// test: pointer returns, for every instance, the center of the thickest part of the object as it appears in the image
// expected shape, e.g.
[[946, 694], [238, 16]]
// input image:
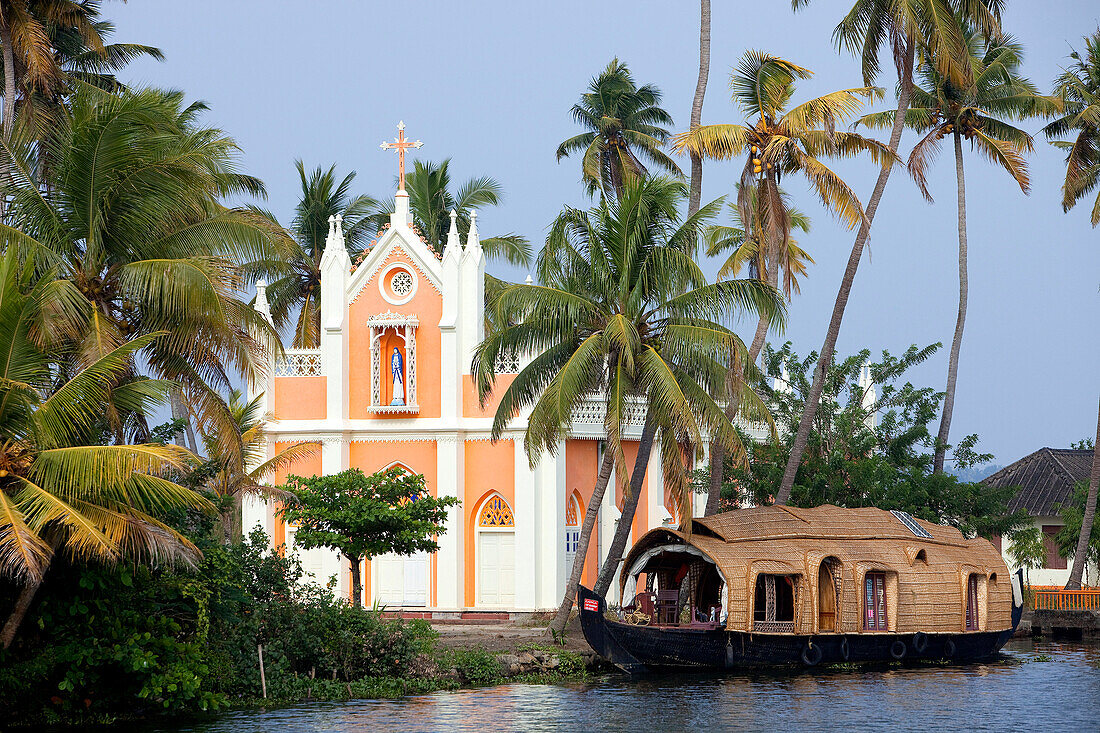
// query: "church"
[[390, 385]]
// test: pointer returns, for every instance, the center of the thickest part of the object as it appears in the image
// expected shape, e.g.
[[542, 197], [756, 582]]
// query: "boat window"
[[773, 606], [972, 621], [874, 602]]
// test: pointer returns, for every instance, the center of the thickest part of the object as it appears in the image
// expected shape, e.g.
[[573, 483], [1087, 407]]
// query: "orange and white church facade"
[[391, 385]]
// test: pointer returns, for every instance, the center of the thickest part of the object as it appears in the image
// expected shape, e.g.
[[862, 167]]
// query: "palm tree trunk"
[[809, 411], [607, 465], [956, 342], [630, 506], [695, 191], [1081, 555], [9, 78], [18, 613], [717, 451]]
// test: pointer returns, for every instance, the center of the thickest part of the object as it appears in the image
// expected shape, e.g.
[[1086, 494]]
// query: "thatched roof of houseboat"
[[932, 561], [1045, 478]]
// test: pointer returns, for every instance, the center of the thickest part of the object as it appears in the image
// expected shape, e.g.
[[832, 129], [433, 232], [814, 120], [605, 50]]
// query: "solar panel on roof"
[[907, 519]]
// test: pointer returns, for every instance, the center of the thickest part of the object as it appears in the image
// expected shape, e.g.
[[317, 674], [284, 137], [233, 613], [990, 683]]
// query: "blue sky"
[[489, 84]]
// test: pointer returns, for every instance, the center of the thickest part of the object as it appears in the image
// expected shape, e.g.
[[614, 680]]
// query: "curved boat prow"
[[599, 635], [1017, 598]]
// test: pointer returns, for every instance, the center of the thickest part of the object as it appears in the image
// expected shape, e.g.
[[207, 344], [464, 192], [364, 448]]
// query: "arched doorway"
[[573, 515], [827, 594], [496, 554], [400, 580]]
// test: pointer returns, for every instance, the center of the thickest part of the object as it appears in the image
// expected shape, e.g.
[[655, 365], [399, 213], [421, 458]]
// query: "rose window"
[[401, 284]]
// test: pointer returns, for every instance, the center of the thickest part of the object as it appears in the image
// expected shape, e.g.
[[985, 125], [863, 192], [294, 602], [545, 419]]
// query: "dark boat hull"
[[644, 648]]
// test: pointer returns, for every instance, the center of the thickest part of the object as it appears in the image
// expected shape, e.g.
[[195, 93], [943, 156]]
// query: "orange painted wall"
[[582, 464], [489, 468], [427, 305], [416, 455], [299, 398], [641, 517], [470, 407], [309, 465]]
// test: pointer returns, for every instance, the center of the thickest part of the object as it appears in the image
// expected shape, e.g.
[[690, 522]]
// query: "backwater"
[[1035, 685]]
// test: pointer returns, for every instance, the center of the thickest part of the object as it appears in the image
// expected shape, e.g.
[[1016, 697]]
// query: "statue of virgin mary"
[[397, 369]]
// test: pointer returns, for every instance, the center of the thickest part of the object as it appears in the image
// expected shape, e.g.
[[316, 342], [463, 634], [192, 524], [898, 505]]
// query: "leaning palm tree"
[[130, 212], [623, 314], [746, 251], [60, 492], [238, 466], [980, 109], [778, 141], [623, 121], [1079, 89], [904, 27], [294, 291], [432, 198]]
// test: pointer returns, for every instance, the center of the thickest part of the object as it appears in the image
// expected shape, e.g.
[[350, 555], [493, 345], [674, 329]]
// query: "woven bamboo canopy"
[[927, 578]]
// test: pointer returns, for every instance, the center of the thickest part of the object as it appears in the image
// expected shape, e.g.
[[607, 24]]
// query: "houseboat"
[[778, 585]]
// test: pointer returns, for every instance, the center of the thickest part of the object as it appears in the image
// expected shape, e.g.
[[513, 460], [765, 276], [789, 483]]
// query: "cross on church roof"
[[400, 144]]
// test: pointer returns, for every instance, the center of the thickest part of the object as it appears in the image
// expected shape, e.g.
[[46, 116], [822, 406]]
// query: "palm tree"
[[1079, 89], [130, 212], [295, 289], [977, 109], [778, 141], [59, 491], [29, 56], [238, 467], [79, 58], [623, 313], [623, 121], [431, 201], [745, 250], [696, 191], [904, 26]]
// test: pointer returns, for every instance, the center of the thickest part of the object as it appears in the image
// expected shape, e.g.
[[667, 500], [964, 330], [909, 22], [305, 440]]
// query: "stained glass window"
[[571, 512], [496, 513]]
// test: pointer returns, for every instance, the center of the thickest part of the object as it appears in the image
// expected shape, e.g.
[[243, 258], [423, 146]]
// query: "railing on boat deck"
[[1067, 600]]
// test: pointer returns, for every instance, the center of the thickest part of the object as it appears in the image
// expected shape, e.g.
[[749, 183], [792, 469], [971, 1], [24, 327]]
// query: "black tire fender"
[[811, 655], [920, 642], [845, 649], [949, 648], [897, 649]]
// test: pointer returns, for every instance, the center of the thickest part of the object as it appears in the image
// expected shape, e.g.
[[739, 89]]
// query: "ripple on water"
[[1058, 684]]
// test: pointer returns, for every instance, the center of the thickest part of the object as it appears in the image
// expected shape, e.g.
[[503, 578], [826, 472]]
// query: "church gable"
[[398, 254]]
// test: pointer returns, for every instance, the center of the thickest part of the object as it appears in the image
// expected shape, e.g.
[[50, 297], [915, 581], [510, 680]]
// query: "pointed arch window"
[[572, 529], [496, 513]]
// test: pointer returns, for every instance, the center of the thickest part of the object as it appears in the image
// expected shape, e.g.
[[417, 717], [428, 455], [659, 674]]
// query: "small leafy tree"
[[363, 516], [865, 452], [1069, 536], [1027, 549]]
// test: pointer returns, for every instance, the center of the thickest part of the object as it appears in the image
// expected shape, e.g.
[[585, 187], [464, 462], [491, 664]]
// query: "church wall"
[[470, 407], [304, 466], [641, 521], [299, 398], [416, 455], [489, 468], [582, 464], [427, 306]]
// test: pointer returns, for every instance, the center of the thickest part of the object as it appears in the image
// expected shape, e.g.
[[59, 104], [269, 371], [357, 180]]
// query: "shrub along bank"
[[103, 645]]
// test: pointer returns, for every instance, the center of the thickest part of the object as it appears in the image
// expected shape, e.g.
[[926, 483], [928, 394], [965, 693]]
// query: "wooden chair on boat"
[[640, 610], [666, 606]]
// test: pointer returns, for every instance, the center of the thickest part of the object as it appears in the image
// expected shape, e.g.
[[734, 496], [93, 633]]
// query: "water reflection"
[[1056, 685]]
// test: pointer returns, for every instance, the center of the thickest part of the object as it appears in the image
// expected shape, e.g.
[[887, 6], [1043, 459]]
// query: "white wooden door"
[[400, 580], [496, 569]]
